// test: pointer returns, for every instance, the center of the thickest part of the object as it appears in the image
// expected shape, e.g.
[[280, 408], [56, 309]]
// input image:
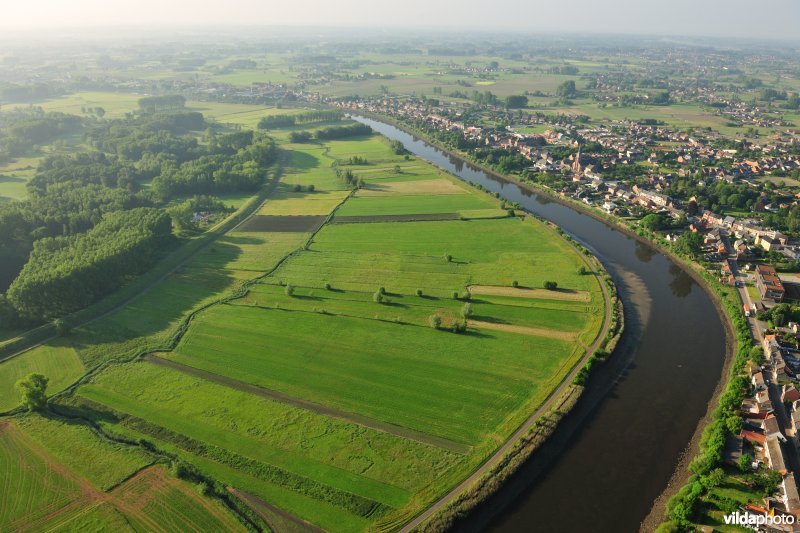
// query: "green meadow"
[[301, 367]]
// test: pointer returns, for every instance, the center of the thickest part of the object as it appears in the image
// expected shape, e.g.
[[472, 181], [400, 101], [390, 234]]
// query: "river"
[[615, 452]]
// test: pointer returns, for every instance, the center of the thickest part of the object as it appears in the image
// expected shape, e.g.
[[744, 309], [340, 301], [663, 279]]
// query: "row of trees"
[[307, 117], [160, 104], [64, 274]]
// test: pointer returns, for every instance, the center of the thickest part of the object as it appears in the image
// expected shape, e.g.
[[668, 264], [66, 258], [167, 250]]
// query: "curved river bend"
[[615, 452]]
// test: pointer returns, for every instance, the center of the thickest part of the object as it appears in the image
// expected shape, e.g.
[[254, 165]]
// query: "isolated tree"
[[582, 270], [515, 284], [378, 297], [33, 391], [435, 321], [419, 292], [550, 285], [289, 290], [311, 188], [516, 101], [62, 326], [466, 310], [566, 89]]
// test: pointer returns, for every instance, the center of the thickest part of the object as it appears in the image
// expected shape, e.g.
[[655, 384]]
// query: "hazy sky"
[[746, 18]]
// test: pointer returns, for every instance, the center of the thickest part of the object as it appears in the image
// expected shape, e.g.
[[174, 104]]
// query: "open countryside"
[[342, 357]]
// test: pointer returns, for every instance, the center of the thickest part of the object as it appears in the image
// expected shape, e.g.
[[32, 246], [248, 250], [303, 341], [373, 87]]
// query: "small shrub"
[[327, 286], [459, 326], [203, 488], [62, 326], [419, 292], [515, 284], [435, 321], [382, 290], [378, 297], [582, 270], [311, 188], [448, 258], [466, 310], [297, 187], [455, 295], [289, 290]]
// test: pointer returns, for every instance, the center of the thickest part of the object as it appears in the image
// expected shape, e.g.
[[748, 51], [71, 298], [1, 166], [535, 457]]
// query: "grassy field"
[[343, 412], [59, 363]]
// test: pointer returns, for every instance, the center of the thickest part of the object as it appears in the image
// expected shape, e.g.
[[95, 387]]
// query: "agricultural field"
[[61, 482], [305, 374], [59, 363]]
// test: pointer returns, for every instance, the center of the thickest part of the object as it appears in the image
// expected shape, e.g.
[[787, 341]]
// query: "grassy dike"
[[680, 501]]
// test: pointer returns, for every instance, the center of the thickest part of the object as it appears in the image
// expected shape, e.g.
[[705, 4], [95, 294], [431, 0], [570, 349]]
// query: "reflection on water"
[[614, 454], [681, 283], [644, 253]]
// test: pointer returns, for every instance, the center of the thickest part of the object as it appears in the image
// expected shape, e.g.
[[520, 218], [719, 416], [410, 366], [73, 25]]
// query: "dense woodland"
[[74, 201]]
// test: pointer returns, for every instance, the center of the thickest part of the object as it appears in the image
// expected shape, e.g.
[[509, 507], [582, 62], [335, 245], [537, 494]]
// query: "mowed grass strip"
[[411, 204], [386, 466], [29, 487], [409, 308], [482, 249], [439, 186], [316, 203], [524, 292], [418, 378], [59, 363]]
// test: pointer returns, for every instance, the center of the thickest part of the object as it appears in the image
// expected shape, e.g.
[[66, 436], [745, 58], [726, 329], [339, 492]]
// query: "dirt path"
[[378, 425], [524, 330], [526, 426], [258, 505], [543, 294]]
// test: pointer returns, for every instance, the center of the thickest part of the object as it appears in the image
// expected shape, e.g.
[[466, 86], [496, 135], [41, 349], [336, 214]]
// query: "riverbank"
[[680, 473]]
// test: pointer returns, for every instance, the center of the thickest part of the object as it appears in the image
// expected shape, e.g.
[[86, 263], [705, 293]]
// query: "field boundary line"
[[384, 427], [555, 396]]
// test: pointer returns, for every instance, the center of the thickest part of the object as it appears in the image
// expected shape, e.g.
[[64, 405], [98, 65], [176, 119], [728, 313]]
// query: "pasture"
[[337, 407], [58, 362]]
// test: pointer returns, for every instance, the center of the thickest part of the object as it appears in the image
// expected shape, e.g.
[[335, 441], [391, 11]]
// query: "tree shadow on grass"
[[159, 305], [492, 319]]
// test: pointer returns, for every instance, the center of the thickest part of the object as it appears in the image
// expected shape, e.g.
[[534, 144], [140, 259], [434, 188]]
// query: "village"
[[738, 248]]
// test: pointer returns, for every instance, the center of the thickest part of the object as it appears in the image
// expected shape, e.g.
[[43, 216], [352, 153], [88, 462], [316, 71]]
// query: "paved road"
[[525, 427]]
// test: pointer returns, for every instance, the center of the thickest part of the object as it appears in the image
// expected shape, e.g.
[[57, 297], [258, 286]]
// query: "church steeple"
[[576, 165]]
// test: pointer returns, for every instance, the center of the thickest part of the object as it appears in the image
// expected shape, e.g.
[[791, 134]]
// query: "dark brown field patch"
[[422, 217], [286, 224]]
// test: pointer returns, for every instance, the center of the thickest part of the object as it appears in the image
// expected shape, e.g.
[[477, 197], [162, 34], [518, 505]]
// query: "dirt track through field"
[[259, 506], [523, 330], [543, 294], [378, 425]]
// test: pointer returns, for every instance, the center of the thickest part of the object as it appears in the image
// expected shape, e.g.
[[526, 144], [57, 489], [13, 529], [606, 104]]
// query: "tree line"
[[64, 274], [70, 195], [271, 122]]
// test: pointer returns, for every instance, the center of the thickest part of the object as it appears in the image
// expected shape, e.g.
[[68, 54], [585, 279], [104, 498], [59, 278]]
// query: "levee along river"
[[616, 451]]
